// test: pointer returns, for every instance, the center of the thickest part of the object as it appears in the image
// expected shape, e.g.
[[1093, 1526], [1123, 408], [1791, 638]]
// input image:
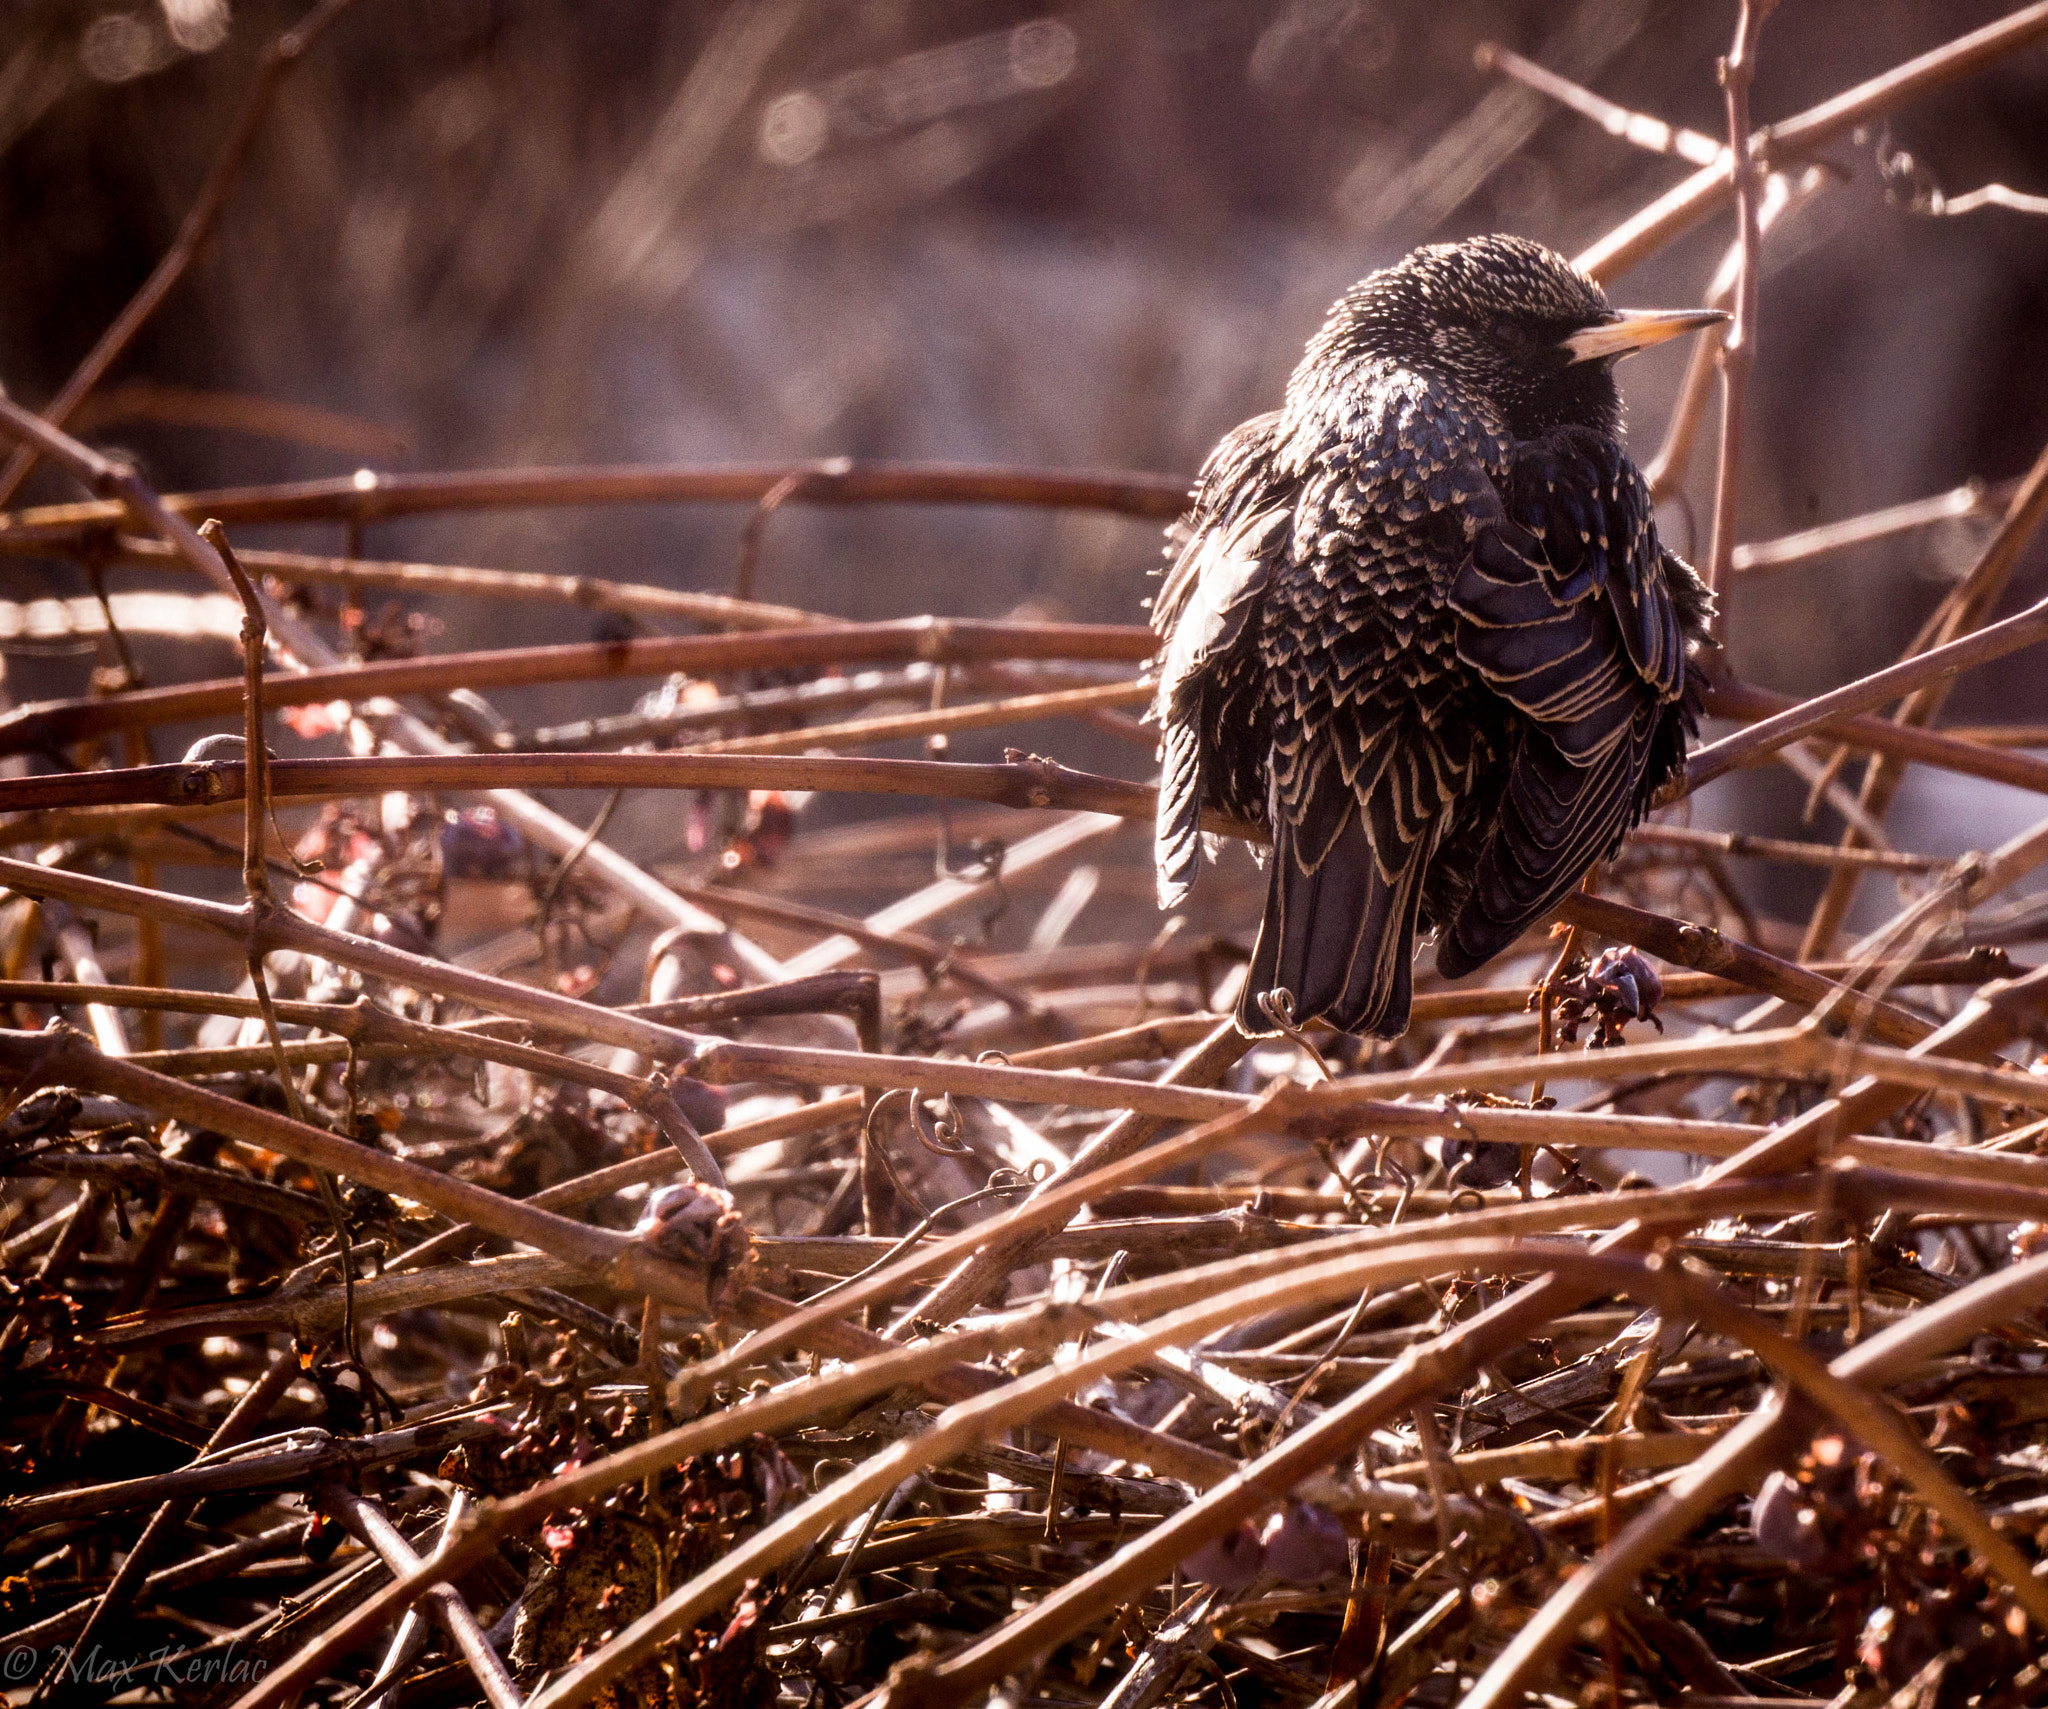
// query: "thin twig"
[[1738, 341], [1639, 129], [278, 60], [367, 497], [1994, 641], [1712, 187]]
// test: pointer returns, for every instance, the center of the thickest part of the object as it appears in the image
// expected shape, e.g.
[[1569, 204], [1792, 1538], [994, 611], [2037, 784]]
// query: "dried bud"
[[1232, 1561], [478, 844], [1620, 985], [700, 1226], [1306, 1545], [321, 1537], [1482, 1163], [1785, 1524]]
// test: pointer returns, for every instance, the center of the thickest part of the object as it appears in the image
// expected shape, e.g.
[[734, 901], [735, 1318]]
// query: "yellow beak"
[[1630, 330]]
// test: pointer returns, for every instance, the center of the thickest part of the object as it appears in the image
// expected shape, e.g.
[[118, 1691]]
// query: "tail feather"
[[1339, 937]]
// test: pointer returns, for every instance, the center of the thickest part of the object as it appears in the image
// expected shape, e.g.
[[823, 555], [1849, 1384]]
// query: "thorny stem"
[[719, 611], [931, 640], [1733, 1464], [67, 1058], [836, 481], [1520, 1314], [773, 1411], [401, 729], [1666, 471], [1640, 129], [1038, 783], [255, 741], [1688, 945]]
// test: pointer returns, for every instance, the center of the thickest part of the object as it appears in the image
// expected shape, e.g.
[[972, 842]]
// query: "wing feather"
[[1213, 586], [1572, 613]]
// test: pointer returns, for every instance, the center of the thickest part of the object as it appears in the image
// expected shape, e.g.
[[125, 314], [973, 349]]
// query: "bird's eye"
[[1511, 333]]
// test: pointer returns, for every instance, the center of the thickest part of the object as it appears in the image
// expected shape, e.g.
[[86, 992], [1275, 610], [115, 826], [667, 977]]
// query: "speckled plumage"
[[1418, 624]]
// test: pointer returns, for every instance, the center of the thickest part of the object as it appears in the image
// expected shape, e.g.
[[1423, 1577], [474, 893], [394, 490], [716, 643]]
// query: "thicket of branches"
[[856, 1306]]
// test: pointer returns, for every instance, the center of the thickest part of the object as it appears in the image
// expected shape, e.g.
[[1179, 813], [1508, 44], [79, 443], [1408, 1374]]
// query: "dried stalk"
[[1738, 341], [369, 497], [1994, 641], [1966, 605], [1709, 189], [1312, 1290]]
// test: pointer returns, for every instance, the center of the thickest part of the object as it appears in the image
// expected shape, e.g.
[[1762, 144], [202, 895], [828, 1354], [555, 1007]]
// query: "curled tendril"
[[995, 1058], [942, 1136], [1385, 1163], [871, 1146], [867, 1126], [1000, 1182], [1354, 1195], [939, 1135], [1006, 1180], [1277, 1005], [1142, 977]]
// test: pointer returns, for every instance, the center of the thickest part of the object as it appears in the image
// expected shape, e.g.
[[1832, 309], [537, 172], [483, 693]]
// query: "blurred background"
[[477, 233]]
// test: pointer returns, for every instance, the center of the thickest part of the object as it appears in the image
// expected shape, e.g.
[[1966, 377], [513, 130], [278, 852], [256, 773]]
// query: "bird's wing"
[[1223, 564], [1568, 608], [1361, 797], [1370, 752]]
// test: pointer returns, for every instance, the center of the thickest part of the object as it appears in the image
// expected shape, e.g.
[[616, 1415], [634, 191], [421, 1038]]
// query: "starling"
[[1418, 625]]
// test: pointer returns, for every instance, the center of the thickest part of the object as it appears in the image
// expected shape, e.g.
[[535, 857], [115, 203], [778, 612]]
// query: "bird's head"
[[1502, 320]]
